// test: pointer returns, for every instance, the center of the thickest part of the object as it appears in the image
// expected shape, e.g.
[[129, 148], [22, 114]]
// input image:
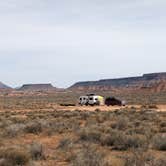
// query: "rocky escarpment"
[[37, 87], [4, 87], [151, 81]]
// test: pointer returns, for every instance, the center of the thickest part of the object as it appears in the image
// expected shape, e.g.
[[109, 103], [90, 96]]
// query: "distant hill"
[[37, 87], [4, 87], [153, 81]]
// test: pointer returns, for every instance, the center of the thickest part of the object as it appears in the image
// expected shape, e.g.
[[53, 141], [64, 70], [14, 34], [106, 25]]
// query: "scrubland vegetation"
[[124, 137], [44, 100]]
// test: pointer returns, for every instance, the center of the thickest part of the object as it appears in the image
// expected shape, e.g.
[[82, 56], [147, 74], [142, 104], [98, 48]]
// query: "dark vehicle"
[[113, 101]]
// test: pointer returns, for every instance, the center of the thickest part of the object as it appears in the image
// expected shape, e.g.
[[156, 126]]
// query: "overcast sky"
[[64, 41]]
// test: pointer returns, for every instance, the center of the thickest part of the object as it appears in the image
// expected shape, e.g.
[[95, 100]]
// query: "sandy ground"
[[160, 108], [105, 108]]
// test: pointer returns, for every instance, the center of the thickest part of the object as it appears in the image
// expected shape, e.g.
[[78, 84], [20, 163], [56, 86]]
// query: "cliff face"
[[37, 87], [3, 86], [154, 81]]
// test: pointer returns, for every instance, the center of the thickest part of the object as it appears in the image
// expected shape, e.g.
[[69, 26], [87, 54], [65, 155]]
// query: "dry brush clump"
[[121, 131], [34, 127], [88, 155], [120, 124], [140, 158], [159, 142], [149, 106], [21, 155], [121, 141], [14, 156], [91, 134], [14, 130], [163, 127], [36, 151], [65, 144]]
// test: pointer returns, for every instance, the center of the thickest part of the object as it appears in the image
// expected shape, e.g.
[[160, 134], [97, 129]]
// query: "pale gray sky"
[[64, 41]]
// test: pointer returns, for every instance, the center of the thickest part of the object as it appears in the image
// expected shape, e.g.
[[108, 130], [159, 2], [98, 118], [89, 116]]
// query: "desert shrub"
[[18, 119], [137, 123], [110, 138], [138, 158], [160, 162], [142, 130], [65, 144], [36, 151], [14, 156], [84, 115], [90, 134], [163, 124], [163, 129], [136, 141], [4, 162], [92, 120], [113, 125], [33, 127], [88, 156], [121, 124], [144, 117], [63, 125], [143, 107], [97, 110], [152, 106], [159, 142], [100, 119], [14, 130], [107, 140], [5, 123], [121, 141]]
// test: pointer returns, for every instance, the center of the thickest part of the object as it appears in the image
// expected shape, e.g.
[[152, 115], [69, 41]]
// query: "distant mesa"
[[4, 87], [153, 81], [37, 87]]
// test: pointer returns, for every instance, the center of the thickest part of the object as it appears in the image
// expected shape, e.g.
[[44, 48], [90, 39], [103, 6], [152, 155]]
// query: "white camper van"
[[91, 99], [96, 100], [83, 100]]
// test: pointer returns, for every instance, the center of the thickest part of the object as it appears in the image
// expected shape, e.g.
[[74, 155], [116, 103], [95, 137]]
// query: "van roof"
[[83, 96]]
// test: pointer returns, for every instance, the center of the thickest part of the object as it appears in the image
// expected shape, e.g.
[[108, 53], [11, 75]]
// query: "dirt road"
[[105, 108]]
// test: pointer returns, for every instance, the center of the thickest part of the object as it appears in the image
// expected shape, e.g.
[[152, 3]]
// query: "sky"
[[66, 41]]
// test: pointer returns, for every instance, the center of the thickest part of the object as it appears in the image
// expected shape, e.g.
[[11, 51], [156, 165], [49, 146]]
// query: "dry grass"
[[45, 135]]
